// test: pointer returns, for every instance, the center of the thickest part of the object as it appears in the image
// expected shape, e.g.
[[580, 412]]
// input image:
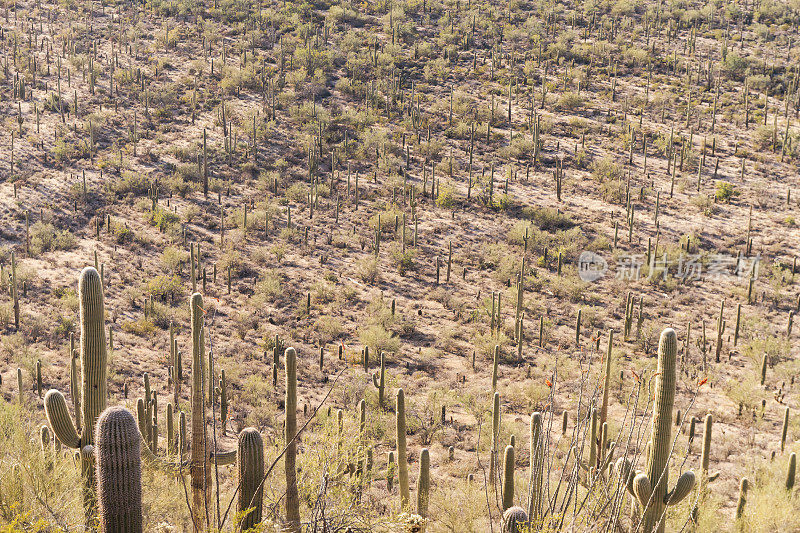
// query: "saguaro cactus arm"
[[55, 408]]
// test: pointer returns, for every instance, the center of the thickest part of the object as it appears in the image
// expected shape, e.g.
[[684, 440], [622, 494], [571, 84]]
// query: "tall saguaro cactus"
[[650, 487], [93, 381], [423, 484], [200, 470], [537, 467], [292, 498], [402, 457], [119, 471], [250, 461], [508, 478]]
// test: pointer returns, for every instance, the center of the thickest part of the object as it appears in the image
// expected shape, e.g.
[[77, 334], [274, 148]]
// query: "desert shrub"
[[164, 219], [368, 270], [131, 183], [173, 259], [705, 204], [725, 191], [570, 101], [446, 196], [378, 338], [403, 260], [46, 238], [162, 287]]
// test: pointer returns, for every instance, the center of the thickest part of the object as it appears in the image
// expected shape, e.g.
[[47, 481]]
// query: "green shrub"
[[725, 191], [46, 238]]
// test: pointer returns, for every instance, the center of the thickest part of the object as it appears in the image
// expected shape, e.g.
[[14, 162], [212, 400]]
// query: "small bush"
[[725, 191], [46, 238]]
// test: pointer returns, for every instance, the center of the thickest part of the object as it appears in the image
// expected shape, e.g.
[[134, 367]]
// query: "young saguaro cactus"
[[250, 461], [292, 497], [93, 378], [378, 380], [119, 471], [650, 487]]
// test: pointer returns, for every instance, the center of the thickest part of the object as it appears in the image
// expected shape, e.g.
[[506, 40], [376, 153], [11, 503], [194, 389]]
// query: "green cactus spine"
[[119, 472], [650, 487], [423, 483], [508, 478], [292, 497], [200, 469], [93, 380], [250, 462], [402, 457]]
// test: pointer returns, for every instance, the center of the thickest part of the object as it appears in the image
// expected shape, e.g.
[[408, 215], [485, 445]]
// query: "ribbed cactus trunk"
[[292, 497], [423, 484], [650, 488], [93, 351], [200, 470], [250, 461], [606, 378], [93, 384], [402, 457], [661, 434], [119, 472], [508, 478], [537, 468]]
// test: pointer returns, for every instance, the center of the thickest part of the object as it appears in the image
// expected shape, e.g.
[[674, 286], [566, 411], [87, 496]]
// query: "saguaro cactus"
[[250, 461], [292, 497], [743, 486], [119, 471], [508, 478], [402, 457], [423, 483], [93, 380], [514, 519], [378, 380], [537, 467], [650, 487], [200, 469]]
